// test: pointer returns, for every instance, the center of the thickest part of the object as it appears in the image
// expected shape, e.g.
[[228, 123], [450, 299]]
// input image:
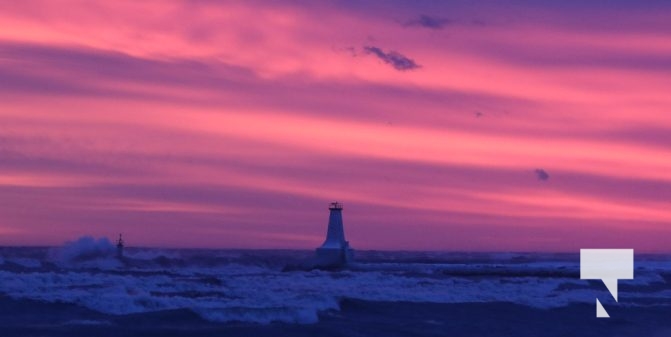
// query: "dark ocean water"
[[82, 289]]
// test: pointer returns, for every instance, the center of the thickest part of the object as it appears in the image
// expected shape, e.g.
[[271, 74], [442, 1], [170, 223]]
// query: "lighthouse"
[[335, 251]]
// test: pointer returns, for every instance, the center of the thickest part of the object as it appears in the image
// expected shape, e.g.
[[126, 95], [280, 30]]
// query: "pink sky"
[[233, 124]]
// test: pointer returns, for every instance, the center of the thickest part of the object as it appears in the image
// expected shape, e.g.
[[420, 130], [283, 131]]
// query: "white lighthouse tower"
[[335, 251]]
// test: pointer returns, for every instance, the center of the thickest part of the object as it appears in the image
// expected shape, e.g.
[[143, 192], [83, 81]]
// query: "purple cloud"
[[397, 60], [542, 175], [426, 21]]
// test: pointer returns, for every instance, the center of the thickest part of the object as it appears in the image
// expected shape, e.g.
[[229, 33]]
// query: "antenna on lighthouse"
[[119, 247]]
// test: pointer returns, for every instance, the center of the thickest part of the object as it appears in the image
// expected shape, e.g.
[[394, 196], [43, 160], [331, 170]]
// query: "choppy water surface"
[[254, 286]]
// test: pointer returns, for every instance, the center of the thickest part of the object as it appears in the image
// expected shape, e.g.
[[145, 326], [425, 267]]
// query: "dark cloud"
[[397, 60], [542, 175], [426, 21]]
